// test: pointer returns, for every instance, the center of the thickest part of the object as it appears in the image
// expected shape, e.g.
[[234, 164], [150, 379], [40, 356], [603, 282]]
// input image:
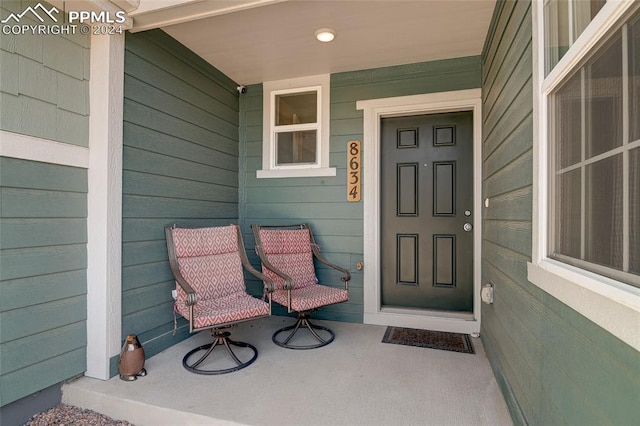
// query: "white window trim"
[[275, 129], [321, 83], [613, 305]]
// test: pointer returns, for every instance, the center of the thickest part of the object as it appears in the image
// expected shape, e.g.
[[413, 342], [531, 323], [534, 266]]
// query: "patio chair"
[[207, 264], [287, 253]]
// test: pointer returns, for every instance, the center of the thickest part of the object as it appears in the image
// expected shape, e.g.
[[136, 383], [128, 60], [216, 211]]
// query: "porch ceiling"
[[264, 40]]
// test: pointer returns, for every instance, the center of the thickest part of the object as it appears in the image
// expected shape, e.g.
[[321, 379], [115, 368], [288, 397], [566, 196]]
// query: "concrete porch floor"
[[356, 380]]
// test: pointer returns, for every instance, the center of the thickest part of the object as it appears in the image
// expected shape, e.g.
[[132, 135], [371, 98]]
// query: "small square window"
[[296, 128]]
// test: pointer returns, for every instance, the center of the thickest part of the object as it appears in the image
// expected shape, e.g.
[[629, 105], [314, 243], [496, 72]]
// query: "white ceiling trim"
[[152, 15], [127, 5]]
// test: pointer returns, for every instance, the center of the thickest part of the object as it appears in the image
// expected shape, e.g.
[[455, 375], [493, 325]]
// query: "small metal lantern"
[[131, 363]]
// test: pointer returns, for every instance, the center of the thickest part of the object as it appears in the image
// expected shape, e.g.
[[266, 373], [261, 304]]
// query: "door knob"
[[467, 227]]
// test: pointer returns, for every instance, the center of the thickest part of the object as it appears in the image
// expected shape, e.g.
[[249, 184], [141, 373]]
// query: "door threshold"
[[465, 316], [425, 319]]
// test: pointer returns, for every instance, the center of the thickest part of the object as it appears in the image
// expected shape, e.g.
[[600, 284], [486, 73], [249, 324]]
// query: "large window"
[[296, 128], [593, 159], [586, 222]]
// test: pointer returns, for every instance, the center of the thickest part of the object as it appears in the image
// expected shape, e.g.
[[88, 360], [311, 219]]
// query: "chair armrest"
[[288, 282], [192, 297], [269, 285], [346, 277]]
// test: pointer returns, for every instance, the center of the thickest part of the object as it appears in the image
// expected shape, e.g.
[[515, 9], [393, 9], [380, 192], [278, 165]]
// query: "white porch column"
[[104, 222]]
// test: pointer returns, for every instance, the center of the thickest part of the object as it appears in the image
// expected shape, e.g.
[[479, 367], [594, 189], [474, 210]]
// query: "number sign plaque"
[[353, 171]]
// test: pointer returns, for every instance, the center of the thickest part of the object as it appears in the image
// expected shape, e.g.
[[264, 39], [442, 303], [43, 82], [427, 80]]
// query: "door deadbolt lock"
[[467, 227]]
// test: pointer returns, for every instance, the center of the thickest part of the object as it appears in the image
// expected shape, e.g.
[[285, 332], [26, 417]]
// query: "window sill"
[[611, 304], [282, 173]]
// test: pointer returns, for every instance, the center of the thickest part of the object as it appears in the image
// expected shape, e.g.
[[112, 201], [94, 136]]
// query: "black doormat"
[[455, 342]]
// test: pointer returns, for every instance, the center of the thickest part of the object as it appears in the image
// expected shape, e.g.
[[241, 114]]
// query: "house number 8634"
[[353, 171]]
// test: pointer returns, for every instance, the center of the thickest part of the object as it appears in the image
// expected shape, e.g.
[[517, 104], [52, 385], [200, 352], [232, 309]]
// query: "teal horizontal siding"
[[321, 201], [554, 365], [26, 262], [59, 368], [21, 202], [37, 232], [43, 277], [180, 166], [170, 126], [27, 351], [22, 292]]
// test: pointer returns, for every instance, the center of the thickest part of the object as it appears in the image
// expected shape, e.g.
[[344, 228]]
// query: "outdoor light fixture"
[[325, 35]]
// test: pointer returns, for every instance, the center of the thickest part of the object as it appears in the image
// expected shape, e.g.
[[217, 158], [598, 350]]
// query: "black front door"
[[426, 174]]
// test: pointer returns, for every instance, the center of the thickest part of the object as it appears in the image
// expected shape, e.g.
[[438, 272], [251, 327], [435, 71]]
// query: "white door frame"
[[374, 110]]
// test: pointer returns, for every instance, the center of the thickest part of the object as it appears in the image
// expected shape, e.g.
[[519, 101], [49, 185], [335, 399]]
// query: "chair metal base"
[[222, 338], [303, 322]]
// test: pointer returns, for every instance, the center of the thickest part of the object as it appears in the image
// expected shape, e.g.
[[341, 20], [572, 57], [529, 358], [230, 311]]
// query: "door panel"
[[407, 259], [426, 172], [444, 188], [407, 178]]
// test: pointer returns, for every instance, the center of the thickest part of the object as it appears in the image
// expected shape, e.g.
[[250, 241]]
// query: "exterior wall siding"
[[44, 89], [43, 283], [321, 201], [180, 166], [554, 365], [44, 93]]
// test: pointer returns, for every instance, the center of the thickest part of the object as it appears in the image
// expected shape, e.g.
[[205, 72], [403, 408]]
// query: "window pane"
[[568, 214], [634, 210], [560, 31], [568, 118], [634, 79], [296, 147], [296, 108], [604, 100], [583, 12], [604, 193], [556, 22]]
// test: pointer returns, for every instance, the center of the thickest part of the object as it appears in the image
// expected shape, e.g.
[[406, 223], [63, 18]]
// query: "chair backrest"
[[289, 250], [209, 260]]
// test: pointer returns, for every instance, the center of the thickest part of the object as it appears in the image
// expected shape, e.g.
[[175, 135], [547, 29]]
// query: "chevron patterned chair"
[[287, 254], [207, 264]]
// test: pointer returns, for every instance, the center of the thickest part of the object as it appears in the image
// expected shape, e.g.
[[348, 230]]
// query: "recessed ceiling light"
[[325, 35]]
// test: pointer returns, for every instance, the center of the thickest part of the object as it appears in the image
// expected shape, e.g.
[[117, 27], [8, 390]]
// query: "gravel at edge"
[[68, 415]]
